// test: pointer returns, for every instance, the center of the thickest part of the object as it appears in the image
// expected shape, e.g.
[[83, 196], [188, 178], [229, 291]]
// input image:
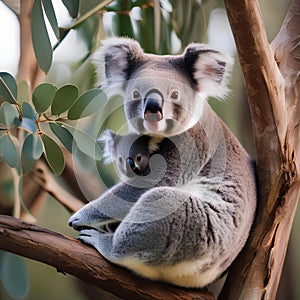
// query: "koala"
[[186, 221], [131, 152]]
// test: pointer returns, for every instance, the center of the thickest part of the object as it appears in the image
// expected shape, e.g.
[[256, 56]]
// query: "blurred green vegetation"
[[162, 27]]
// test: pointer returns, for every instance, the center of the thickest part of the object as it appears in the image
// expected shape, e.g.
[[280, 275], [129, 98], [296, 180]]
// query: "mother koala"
[[187, 223]]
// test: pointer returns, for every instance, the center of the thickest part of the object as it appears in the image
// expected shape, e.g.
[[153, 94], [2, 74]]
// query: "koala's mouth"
[[163, 126]]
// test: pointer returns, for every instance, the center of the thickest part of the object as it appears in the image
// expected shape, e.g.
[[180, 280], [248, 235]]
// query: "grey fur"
[[131, 153], [187, 220]]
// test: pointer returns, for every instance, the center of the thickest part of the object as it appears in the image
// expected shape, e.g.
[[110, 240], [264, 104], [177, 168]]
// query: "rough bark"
[[70, 256], [273, 95]]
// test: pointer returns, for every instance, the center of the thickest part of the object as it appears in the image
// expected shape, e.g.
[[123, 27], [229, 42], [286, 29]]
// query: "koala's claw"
[[87, 237]]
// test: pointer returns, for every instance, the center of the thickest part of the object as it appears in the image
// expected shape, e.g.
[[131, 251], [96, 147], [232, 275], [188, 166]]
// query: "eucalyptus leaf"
[[40, 39], [87, 104], [145, 30], [63, 135], [87, 5], [10, 82], [63, 99], [9, 151], [72, 7], [28, 124], [42, 97], [8, 88], [50, 13], [53, 154], [28, 111], [8, 114], [15, 279], [85, 143], [32, 150], [88, 31], [22, 92], [122, 25]]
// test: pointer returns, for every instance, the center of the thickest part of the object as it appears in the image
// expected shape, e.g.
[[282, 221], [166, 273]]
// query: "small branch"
[[42, 176], [70, 256], [89, 14]]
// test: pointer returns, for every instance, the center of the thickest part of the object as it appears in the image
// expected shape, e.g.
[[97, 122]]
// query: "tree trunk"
[[272, 83]]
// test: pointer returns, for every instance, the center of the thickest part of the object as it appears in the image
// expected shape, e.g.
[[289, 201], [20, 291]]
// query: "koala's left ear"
[[209, 69], [115, 58]]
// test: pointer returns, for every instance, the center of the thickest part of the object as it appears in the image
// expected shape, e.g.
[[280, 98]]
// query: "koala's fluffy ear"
[[209, 69], [114, 59], [107, 138]]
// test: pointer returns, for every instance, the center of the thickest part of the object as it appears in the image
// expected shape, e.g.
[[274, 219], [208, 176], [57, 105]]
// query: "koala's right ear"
[[107, 138], [209, 68], [114, 59]]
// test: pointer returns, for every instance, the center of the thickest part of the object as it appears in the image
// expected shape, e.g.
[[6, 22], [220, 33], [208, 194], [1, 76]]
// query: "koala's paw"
[[89, 237], [102, 242]]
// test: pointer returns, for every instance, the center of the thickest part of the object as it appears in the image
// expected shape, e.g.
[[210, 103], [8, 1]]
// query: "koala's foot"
[[102, 242], [89, 236]]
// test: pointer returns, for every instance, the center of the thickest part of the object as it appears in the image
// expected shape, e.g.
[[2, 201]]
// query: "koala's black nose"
[[153, 107], [129, 163]]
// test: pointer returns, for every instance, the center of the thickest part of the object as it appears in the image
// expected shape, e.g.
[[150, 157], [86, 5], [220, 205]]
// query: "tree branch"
[[276, 132], [70, 256], [28, 67]]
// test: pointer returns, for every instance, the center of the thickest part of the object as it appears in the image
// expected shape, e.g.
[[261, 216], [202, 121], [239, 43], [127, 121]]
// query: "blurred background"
[[162, 27]]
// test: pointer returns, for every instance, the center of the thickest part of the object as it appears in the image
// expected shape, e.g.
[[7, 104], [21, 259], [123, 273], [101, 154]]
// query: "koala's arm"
[[113, 205]]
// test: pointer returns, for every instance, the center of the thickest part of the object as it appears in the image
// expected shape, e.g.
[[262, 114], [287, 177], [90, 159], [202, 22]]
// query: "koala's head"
[[162, 94], [130, 152]]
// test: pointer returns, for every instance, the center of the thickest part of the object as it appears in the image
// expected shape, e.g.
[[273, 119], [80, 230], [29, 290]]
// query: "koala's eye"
[[120, 160], [175, 95], [136, 95], [139, 158]]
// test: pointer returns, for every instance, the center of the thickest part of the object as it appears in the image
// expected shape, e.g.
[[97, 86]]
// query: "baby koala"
[[131, 153]]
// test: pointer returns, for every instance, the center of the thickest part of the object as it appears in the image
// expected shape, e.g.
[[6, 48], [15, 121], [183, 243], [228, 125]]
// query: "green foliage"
[[63, 99], [85, 142], [8, 88], [42, 97], [53, 154], [8, 114], [63, 135], [9, 150], [72, 6], [154, 27], [32, 150], [41, 42], [14, 275], [86, 105], [50, 13], [55, 108]]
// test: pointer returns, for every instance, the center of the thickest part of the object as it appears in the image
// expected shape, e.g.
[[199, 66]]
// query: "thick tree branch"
[[276, 132], [70, 256]]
